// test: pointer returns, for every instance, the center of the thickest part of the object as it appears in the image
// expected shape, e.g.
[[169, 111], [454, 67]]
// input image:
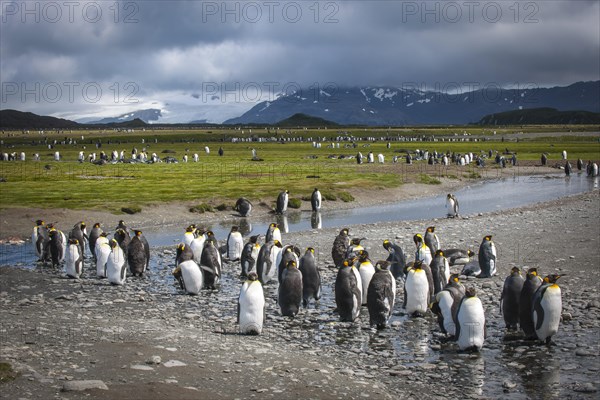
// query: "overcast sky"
[[79, 59]]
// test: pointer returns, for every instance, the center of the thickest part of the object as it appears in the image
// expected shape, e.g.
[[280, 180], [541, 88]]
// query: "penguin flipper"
[[123, 271], [538, 312]]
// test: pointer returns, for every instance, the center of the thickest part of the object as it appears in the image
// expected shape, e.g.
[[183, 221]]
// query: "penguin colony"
[[528, 302]]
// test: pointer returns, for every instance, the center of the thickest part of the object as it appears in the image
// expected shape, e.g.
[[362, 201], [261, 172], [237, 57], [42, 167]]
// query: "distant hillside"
[[305, 120], [147, 115], [13, 119], [399, 106], [538, 116]]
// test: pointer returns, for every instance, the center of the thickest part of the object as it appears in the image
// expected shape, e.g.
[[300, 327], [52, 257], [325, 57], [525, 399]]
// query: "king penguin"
[[458, 256], [235, 244], [423, 253], [396, 258], [273, 233], [530, 286], [249, 255], [40, 239], [340, 246], [311, 278], [138, 254], [211, 265], [93, 237], [197, 245], [431, 240], [470, 322], [509, 300], [251, 306], [487, 257], [354, 248], [547, 309], [282, 202], [116, 267], [366, 271], [348, 295], [288, 253], [79, 232], [183, 253], [58, 246], [266, 268], [74, 260], [440, 271], [243, 206], [315, 200], [417, 289], [190, 276], [290, 290], [102, 252], [189, 234], [381, 295], [446, 303], [452, 206]]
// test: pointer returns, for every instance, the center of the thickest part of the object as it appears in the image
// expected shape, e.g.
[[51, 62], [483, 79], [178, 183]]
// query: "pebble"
[[174, 363], [154, 360], [142, 367], [78, 386], [587, 387]]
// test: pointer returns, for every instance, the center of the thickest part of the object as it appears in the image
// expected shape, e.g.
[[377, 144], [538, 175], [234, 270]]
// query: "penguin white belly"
[[235, 246], [72, 267], [393, 288], [102, 253], [192, 276], [358, 284], [319, 199], [471, 319], [366, 271], [64, 247], [552, 305], [417, 292], [425, 255], [114, 267], [277, 235], [450, 206], [445, 301], [197, 246], [446, 271], [251, 308], [187, 238], [275, 252]]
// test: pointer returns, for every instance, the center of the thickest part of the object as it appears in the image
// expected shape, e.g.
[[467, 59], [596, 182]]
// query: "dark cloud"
[[167, 50]]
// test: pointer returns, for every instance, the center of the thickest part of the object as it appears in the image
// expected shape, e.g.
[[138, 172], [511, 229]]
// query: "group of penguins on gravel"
[[532, 303]]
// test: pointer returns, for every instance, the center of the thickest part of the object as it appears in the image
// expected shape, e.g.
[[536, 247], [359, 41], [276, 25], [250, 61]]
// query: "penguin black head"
[[199, 231], [515, 270], [39, 222], [418, 239], [363, 255], [488, 237], [344, 231], [356, 241], [252, 276], [431, 229], [234, 228], [291, 264], [180, 247], [97, 225], [417, 265], [137, 232], [113, 243], [272, 225], [287, 191], [277, 243], [470, 292], [439, 253], [104, 234], [449, 195], [316, 190], [552, 278], [210, 233], [73, 241], [454, 278], [190, 228], [532, 271], [386, 244], [470, 253], [382, 265], [254, 239], [82, 225], [310, 249]]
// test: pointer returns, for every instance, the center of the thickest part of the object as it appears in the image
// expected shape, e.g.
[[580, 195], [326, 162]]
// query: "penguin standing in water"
[[440, 271], [211, 265], [315, 200], [79, 232], [418, 289], [470, 322], [431, 240], [311, 279], [93, 237], [366, 271], [446, 303], [58, 246], [101, 253], [197, 245], [243, 206], [235, 244], [273, 233], [568, 168], [190, 277], [74, 260], [396, 258], [266, 267], [509, 300], [288, 253], [547, 309], [348, 294], [138, 254], [487, 257], [579, 164], [249, 255], [116, 267], [423, 253], [282, 202], [530, 286], [340, 246], [40, 239], [381, 295], [183, 253], [544, 159], [251, 306], [290, 290], [452, 206]]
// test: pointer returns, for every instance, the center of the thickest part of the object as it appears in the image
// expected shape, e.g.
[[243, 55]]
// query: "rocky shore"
[[147, 340]]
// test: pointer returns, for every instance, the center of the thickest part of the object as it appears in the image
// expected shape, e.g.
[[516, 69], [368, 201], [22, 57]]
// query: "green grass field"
[[215, 180]]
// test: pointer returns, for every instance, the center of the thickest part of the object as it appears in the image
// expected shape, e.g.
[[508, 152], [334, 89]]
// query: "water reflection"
[[315, 220], [541, 377], [282, 221]]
